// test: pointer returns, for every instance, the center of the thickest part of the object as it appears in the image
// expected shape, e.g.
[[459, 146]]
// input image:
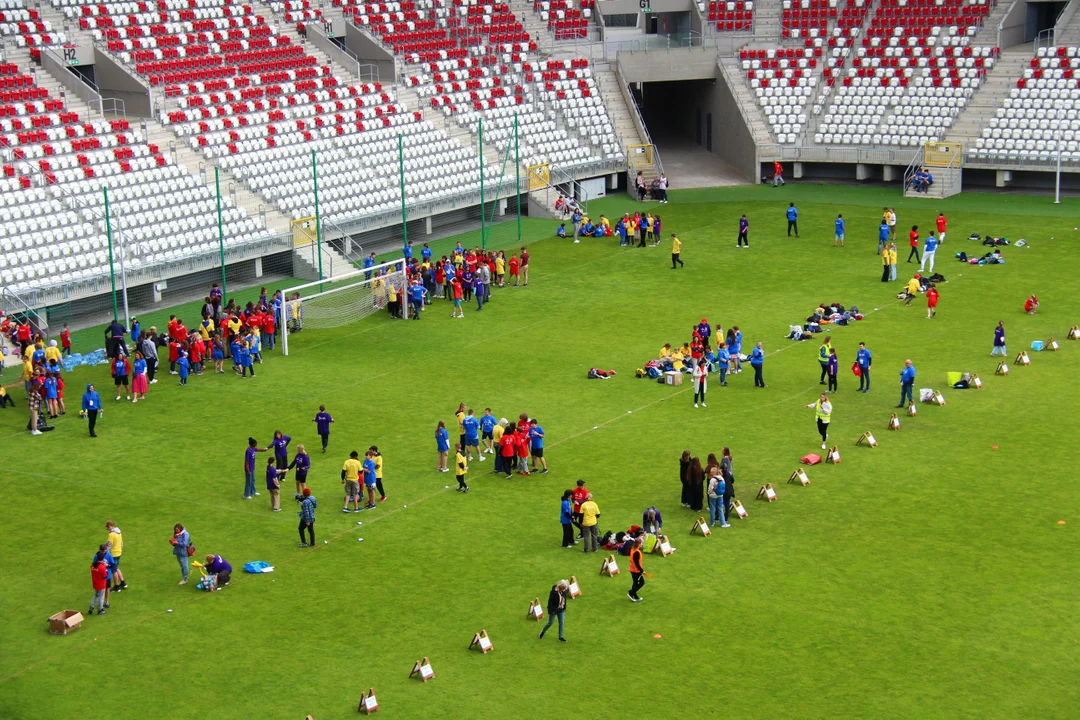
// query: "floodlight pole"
[[112, 272]]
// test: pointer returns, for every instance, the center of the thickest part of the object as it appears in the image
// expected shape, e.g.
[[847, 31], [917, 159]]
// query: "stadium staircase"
[[987, 99], [1070, 34], [767, 20], [744, 96]]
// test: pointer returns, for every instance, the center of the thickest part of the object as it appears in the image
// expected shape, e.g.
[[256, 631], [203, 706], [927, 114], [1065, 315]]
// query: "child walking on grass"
[[462, 464], [322, 422]]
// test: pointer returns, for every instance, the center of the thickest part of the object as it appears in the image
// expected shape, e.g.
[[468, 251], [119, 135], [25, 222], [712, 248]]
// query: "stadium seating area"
[[1041, 114], [24, 24], [564, 20], [902, 81], [729, 15], [52, 227]]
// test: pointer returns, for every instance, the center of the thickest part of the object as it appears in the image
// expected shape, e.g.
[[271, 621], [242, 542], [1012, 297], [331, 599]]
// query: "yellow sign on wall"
[[539, 176], [942, 154], [303, 231], [639, 155]]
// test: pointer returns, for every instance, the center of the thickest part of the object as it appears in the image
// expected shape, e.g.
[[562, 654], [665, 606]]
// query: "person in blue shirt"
[[757, 360], [487, 429], [369, 262], [322, 422], [643, 230], [245, 360], [369, 479], [425, 252], [723, 360], [416, 299], [561, 232], [620, 230], [183, 366], [864, 359], [839, 231], [566, 518], [536, 445], [442, 446], [472, 435], [883, 236], [235, 351], [408, 250], [907, 382], [598, 231], [792, 220], [929, 251], [135, 330], [575, 220], [91, 407], [744, 232]]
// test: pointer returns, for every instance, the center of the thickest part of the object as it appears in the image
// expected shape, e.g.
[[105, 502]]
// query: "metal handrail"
[[22, 307], [639, 121]]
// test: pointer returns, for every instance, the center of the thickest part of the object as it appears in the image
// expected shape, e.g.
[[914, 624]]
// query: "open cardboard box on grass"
[[64, 622]]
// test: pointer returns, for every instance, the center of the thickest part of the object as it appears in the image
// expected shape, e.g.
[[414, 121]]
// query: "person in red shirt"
[[580, 494], [521, 441], [777, 174], [60, 393], [507, 450], [941, 225], [931, 302], [514, 263], [198, 352], [24, 334], [269, 330], [65, 340], [1031, 305], [524, 267], [181, 331], [172, 325], [457, 293], [174, 355], [913, 240], [99, 576]]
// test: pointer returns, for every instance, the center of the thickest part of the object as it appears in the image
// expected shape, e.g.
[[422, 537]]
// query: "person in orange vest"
[[778, 174], [637, 572]]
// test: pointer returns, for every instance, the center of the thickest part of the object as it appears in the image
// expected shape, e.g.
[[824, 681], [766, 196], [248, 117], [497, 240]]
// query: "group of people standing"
[[515, 446], [715, 481]]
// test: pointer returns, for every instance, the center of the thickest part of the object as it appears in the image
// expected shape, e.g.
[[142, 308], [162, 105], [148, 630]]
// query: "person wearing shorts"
[[121, 370], [350, 478], [457, 293], [471, 425], [487, 431], [536, 442], [369, 479]]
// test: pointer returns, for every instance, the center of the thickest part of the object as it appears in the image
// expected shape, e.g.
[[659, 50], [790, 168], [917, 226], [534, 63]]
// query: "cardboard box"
[[64, 622], [672, 377]]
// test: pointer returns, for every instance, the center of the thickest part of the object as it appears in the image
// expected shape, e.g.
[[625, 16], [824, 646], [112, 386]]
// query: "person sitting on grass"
[[1031, 305], [561, 232]]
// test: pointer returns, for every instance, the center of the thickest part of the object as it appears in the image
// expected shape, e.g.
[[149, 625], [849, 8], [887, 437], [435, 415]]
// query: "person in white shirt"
[[700, 375]]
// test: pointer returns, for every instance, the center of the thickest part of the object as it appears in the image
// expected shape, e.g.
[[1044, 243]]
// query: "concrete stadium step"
[[988, 98], [752, 113], [537, 28], [1070, 33], [622, 116]]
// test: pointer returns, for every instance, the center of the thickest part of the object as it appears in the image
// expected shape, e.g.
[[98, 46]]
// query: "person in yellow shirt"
[[462, 464], [885, 262], [392, 299], [350, 478], [496, 436], [604, 222], [589, 514], [677, 360], [665, 351], [206, 329], [912, 289], [52, 352], [376, 457], [676, 248], [460, 415], [892, 261], [116, 547], [500, 268]]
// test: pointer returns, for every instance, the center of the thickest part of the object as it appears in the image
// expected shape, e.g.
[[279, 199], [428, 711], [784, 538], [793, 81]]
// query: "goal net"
[[340, 300]]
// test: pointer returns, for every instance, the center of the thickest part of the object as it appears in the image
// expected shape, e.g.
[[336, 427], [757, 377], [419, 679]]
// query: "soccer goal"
[[341, 299]]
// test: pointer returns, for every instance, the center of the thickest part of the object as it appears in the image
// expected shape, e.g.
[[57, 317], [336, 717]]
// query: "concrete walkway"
[[688, 165]]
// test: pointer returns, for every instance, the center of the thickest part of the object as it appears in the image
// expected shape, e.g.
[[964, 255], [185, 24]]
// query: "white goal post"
[[341, 299]]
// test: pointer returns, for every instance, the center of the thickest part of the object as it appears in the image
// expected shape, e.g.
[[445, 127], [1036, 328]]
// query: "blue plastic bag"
[[258, 566]]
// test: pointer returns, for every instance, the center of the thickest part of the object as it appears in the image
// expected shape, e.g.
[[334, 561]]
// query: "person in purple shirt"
[[280, 446], [322, 422], [217, 565], [466, 283], [478, 290], [302, 463], [273, 484], [249, 467], [833, 369], [744, 232]]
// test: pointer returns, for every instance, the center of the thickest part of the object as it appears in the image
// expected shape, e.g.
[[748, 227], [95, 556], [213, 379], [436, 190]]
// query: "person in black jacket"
[[729, 480], [556, 607], [684, 467]]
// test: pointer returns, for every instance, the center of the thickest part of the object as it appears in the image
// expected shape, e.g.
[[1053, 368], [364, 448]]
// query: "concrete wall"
[[668, 65], [369, 52], [114, 81], [674, 108], [629, 7]]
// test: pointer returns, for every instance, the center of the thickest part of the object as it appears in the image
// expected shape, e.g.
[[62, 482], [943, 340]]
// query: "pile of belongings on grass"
[[990, 258], [825, 314]]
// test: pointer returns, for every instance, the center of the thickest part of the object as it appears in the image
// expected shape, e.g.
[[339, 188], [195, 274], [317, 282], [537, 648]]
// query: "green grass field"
[[928, 577]]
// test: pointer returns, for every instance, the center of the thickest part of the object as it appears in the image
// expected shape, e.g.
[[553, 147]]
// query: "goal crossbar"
[[352, 296]]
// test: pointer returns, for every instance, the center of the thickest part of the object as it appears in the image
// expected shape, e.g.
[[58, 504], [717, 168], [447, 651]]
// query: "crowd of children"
[[516, 446], [640, 229]]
